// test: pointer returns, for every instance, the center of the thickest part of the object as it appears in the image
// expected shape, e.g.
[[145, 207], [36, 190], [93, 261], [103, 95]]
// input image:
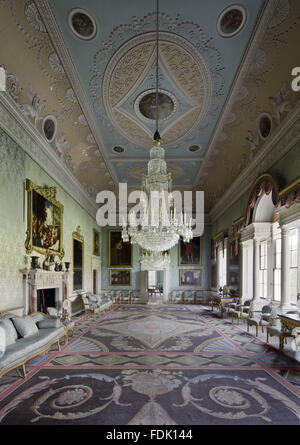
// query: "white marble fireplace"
[[36, 279]]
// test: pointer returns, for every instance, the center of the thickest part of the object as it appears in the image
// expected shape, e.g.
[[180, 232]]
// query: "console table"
[[218, 301], [288, 322]]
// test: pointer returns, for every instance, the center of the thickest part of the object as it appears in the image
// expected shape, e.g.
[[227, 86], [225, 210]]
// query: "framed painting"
[[119, 277], [44, 221], [190, 254], [96, 242], [120, 253], [190, 277], [78, 259]]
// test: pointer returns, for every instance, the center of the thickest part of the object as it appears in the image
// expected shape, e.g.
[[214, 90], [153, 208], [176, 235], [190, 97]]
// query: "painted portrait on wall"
[[190, 254], [120, 277], [190, 277], [96, 242], [120, 253], [45, 221]]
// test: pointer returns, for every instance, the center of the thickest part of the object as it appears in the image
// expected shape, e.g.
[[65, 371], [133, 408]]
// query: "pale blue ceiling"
[[111, 14]]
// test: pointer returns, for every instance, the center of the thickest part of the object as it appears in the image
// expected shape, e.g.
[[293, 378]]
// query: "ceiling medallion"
[[82, 24], [231, 21], [145, 105]]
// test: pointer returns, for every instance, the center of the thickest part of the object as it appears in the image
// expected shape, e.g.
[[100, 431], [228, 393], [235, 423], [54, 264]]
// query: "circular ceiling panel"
[[145, 105]]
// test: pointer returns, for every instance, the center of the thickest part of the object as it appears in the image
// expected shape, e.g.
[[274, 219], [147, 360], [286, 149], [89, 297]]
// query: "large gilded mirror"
[[78, 259]]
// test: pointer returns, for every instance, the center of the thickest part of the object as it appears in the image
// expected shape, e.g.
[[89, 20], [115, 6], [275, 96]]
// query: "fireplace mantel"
[[36, 279]]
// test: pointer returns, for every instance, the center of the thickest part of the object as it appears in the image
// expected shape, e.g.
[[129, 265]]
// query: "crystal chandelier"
[[160, 228], [155, 260]]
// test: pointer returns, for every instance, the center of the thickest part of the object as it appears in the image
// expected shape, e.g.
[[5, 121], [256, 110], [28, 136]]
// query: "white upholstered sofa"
[[22, 338]]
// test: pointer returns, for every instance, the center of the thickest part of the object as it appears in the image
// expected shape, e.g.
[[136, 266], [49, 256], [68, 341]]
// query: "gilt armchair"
[[69, 325]]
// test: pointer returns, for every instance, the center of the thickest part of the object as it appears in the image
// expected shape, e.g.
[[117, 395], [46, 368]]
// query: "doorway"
[[155, 286]]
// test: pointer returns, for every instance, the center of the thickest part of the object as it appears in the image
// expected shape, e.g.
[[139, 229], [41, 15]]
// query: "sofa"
[[103, 302], [22, 338]]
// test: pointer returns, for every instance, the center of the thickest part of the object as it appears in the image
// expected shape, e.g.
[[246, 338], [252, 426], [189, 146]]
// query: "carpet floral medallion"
[[158, 365]]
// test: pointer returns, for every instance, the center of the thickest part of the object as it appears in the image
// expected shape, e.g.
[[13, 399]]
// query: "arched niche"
[[264, 209], [264, 191]]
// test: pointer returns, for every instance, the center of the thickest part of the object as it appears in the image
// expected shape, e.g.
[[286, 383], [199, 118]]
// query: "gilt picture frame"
[[96, 242], [44, 221], [78, 260], [190, 277], [120, 277]]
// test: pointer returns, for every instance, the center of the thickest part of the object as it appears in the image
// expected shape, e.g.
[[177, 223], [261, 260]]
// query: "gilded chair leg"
[[24, 371], [58, 344]]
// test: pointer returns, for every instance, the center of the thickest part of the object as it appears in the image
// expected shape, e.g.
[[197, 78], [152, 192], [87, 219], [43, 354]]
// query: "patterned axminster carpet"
[[156, 365]]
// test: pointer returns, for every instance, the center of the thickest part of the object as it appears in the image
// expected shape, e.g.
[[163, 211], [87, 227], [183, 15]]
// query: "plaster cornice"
[[22, 131]]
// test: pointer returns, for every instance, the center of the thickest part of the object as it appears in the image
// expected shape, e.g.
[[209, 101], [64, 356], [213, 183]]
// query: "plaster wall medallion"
[[264, 125], [49, 127]]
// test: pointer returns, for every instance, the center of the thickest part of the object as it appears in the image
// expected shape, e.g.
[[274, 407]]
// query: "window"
[[277, 271], [293, 246], [263, 269], [222, 266]]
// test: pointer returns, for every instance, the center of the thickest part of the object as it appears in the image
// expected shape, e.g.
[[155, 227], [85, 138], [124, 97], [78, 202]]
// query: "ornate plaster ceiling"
[[213, 88]]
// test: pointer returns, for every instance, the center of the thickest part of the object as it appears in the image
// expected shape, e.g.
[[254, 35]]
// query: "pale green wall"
[[174, 268], [15, 167]]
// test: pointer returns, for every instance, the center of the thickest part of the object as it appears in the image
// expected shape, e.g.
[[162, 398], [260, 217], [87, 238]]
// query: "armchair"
[[274, 330], [90, 306], [124, 297], [67, 323], [176, 297], [261, 318], [242, 311], [187, 297], [135, 298]]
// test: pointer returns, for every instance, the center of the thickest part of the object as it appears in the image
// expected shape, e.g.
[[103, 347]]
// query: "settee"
[[22, 338], [95, 304]]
